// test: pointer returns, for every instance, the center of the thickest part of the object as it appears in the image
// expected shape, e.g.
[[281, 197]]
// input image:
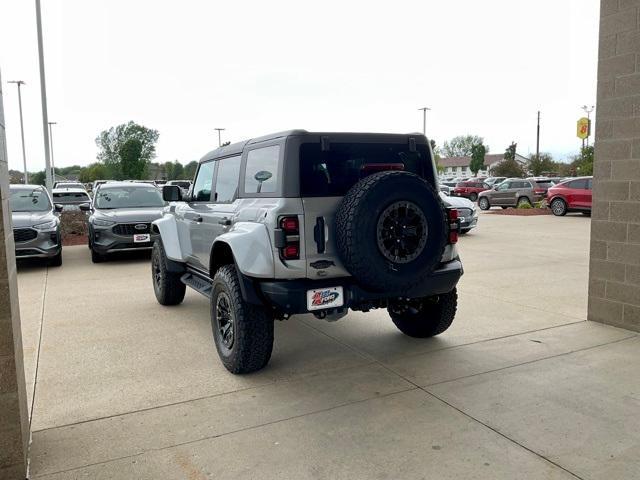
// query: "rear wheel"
[[242, 332], [167, 286], [558, 207], [473, 197], [483, 203], [523, 201], [587, 214], [425, 317]]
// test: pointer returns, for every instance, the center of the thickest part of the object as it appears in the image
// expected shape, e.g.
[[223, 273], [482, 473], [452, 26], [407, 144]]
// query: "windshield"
[[70, 197], [334, 172], [29, 200], [128, 197]]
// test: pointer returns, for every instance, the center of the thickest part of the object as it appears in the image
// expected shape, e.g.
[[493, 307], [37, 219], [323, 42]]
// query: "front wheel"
[[57, 260], [96, 257], [167, 286], [483, 203], [425, 317], [242, 332]]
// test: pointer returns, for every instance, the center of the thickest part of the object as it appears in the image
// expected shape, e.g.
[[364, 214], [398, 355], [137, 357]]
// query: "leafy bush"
[[524, 206]]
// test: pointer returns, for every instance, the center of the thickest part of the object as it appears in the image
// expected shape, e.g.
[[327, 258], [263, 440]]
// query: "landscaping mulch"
[[521, 212], [73, 226]]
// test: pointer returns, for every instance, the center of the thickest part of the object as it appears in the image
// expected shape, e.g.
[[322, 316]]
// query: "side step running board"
[[198, 283]]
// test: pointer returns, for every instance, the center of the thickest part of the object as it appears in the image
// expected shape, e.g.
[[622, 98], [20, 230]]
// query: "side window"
[[505, 186], [579, 184], [202, 185], [261, 174], [227, 179], [590, 184]]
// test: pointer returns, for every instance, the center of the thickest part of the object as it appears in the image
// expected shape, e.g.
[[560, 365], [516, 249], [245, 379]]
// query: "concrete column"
[[614, 278], [14, 420]]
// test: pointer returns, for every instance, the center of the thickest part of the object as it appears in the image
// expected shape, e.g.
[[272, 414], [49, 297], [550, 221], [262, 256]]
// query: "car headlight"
[[46, 225], [102, 223]]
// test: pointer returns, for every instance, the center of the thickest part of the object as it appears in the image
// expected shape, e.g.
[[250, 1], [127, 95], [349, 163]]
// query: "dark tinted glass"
[[128, 197], [334, 172], [70, 197], [27, 200], [579, 184], [227, 179]]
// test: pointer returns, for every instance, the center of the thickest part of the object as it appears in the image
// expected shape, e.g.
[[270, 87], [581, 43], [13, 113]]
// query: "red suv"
[[571, 196], [470, 189]]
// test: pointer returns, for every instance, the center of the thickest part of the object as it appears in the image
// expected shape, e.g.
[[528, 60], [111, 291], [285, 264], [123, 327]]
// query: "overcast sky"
[[184, 68]]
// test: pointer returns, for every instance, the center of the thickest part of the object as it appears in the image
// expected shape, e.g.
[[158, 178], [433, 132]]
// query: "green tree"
[[190, 170], [132, 165], [477, 158], [542, 164], [507, 168], [510, 152], [37, 178], [436, 155], [111, 141], [462, 145], [93, 172]]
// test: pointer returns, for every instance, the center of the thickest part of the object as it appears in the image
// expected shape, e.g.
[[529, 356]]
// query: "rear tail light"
[[290, 247], [453, 225], [539, 190]]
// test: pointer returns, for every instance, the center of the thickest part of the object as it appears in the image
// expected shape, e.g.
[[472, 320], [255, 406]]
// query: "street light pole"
[[424, 119], [588, 109], [19, 83], [53, 165], [43, 95], [538, 138], [219, 137]]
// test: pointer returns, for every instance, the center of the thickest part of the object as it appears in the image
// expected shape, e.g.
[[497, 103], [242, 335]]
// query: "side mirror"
[[495, 187], [85, 207], [171, 193], [58, 208]]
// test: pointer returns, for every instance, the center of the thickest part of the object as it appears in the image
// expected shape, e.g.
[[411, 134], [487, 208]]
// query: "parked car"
[[300, 222], [70, 198], [492, 181], [542, 184], [467, 212], [571, 196], [121, 216], [512, 192], [445, 189], [36, 227], [470, 189], [184, 185]]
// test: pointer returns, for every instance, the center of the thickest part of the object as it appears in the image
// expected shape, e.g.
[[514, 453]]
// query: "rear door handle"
[[224, 221], [194, 217]]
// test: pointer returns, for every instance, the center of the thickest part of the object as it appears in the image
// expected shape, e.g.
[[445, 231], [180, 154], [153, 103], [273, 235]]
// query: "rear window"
[[579, 184], [72, 197], [332, 173]]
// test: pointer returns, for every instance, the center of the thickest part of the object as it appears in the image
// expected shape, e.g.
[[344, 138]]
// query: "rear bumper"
[[290, 296]]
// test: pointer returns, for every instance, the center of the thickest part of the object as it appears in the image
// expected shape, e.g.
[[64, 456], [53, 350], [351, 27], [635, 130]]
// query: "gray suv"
[[299, 222], [36, 226], [121, 216], [512, 192]]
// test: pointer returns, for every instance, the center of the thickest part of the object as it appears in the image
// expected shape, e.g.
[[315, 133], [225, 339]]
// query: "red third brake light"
[[453, 225]]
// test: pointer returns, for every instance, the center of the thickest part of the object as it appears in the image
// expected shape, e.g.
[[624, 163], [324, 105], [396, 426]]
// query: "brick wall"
[[14, 425], [614, 282]]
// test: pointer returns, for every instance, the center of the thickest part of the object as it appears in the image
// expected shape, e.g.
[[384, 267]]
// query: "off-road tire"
[[167, 286], [484, 203], [434, 317], [252, 326], [473, 197], [57, 260], [558, 207], [359, 233], [97, 257]]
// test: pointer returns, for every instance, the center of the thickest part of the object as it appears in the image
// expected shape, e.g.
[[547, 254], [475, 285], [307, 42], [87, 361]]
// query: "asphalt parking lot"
[[520, 387]]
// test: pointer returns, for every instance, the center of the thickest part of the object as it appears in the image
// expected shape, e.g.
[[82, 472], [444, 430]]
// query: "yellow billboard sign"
[[584, 128]]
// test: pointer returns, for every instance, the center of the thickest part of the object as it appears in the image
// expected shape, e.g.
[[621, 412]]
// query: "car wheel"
[[464, 231], [57, 260], [504, 207], [391, 229], [586, 214], [523, 201], [483, 203], [97, 257], [558, 207], [426, 317], [167, 286], [242, 332], [473, 197]]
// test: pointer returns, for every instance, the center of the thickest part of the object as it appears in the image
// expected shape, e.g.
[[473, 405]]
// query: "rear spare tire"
[[391, 230]]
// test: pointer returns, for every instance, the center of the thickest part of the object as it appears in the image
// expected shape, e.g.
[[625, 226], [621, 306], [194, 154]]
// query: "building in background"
[[459, 166]]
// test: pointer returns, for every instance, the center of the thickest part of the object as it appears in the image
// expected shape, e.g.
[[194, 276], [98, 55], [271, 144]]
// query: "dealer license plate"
[[141, 237], [321, 298]]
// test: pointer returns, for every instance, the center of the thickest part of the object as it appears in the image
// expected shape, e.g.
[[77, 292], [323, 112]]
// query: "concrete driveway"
[[520, 387]]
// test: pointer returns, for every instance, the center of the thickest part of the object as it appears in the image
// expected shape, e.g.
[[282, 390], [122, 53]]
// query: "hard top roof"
[[238, 147]]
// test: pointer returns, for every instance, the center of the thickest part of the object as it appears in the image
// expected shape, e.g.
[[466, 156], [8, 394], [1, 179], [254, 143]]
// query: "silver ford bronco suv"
[[300, 222]]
